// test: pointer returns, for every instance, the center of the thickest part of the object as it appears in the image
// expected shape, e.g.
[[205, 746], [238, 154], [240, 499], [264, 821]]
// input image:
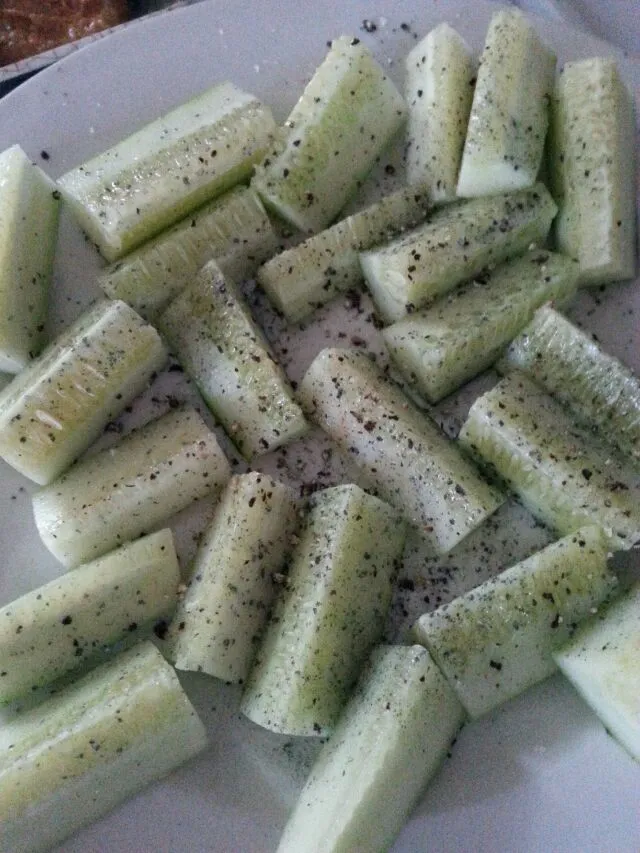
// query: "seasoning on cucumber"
[[330, 614], [62, 401], [168, 168], [29, 206], [217, 341]]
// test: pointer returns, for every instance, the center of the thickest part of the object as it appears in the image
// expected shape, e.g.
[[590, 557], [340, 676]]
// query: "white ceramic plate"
[[540, 775]]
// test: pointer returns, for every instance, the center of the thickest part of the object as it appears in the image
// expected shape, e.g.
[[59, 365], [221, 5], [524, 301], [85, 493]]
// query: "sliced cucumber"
[[390, 740], [123, 491], [233, 229], [561, 472], [168, 168], [58, 406], [79, 754], [330, 616], [464, 333], [510, 111], [211, 330], [220, 619], [593, 168], [29, 206], [497, 640], [438, 90], [347, 113], [303, 278], [602, 661], [397, 449], [73, 619], [599, 389], [457, 243]]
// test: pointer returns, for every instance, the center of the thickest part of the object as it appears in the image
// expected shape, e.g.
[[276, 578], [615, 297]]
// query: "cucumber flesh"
[[560, 470], [331, 613], [220, 618], [72, 620], [463, 333], [397, 450], [454, 245], [510, 111], [29, 207], [593, 155], [345, 117], [123, 491], [61, 402], [210, 328], [598, 389], [602, 661], [307, 276], [168, 168], [390, 740], [438, 89], [497, 640], [79, 754], [233, 229]]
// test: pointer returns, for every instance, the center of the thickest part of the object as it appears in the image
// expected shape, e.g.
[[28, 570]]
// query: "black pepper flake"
[[161, 628], [368, 26], [587, 474], [66, 620], [494, 664], [44, 154]]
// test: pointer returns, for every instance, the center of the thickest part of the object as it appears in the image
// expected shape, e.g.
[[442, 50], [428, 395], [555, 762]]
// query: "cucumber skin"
[[97, 742], [221, 617], [564, 476], [505, 142], [62, 401], [297, 291], [397, 450], [598, 389], [130, 488], [217, 341], [392, 737], [462, 334], [158, 175], [594, 183], [455, 245], [497, 640], [28, 233], [72, 620], [438, 90], [601, 661], [331, 139], [150, 277], [330, 615]]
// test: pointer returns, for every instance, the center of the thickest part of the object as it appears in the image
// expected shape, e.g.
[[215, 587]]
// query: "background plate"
[[540, 775]]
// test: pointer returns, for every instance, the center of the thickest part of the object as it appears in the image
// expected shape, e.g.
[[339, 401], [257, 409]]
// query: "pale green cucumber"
[[602, 661], [456, 244], [234, 230], [397, 450], [390, 740], [463, 333], [123, 491], [560, 470], [497, 640], [593, 155], [305, 277], [72, 620], [345, 117], [599, 389], [210, 329], [79, 754], [165, 170], [330, 615], [438, 90], [219, 620], [62, 401], [510, 111], [29, 206]]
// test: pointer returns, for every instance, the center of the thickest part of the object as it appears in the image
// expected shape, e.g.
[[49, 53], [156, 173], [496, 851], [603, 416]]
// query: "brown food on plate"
[[28, 27]]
